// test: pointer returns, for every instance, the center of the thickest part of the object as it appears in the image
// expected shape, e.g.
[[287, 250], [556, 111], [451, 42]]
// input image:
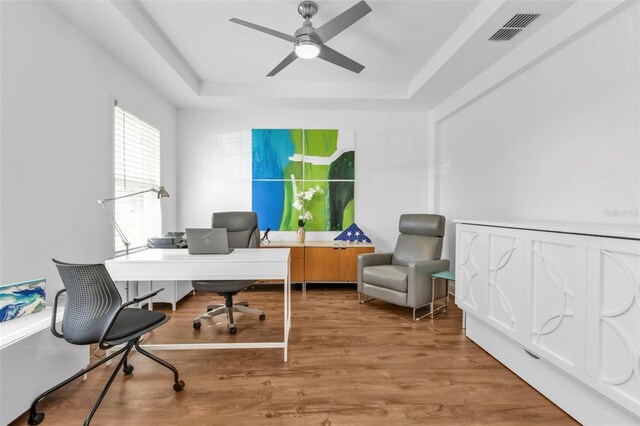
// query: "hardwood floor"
[[349, 364]]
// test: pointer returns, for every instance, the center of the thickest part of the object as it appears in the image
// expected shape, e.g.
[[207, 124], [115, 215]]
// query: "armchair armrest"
[[428, 267], [137, 299], [374, 259], [419, 280], [371, 259]]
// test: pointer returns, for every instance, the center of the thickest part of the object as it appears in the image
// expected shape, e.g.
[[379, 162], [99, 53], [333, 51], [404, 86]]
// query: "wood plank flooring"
[[349, 364]]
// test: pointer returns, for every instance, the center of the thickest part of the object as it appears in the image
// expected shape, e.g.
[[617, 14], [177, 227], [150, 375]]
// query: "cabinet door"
[[322, 264], [349, 262], [505, 280], [470, 269], [297, 264], [554, 295], [613, 320]]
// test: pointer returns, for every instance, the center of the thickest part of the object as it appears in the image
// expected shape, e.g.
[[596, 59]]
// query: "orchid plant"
[[302, 200]]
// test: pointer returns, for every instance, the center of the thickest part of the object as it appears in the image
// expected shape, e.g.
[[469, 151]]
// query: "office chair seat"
[[132, 323], [221, 287]]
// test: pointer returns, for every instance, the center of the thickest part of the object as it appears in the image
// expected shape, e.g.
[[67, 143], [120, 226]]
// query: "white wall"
[[57, 142], [215, 164], [559, 142]]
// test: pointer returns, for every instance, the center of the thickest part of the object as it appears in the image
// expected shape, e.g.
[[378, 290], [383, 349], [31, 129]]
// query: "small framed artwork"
[[20, 299]]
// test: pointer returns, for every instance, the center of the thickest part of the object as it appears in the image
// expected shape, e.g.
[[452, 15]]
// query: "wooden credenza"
[[323, 261]]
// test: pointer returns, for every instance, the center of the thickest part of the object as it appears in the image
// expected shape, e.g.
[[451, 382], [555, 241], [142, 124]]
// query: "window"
[[136, 168]]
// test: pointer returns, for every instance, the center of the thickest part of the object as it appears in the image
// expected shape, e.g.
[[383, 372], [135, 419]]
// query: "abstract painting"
[[286, 161], [21, 299]]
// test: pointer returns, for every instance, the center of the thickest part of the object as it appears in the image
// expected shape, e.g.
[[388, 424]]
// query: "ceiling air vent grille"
[[514, 26]]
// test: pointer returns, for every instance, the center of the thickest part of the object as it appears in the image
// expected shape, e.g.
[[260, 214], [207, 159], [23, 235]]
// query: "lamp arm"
[[124, 239], [125, 196]]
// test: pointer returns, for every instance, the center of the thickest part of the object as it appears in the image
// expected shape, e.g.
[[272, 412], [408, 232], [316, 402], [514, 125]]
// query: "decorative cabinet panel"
[[504, 283], [470, 291], [573, 300], [614, 329], [555, 278]]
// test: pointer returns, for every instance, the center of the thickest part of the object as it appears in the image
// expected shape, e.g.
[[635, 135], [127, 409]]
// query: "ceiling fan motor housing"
[[307, 9]]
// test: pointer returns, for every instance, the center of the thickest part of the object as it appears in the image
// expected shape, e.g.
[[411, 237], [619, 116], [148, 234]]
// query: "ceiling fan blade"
[[330, 55], [286, 61], [260, 28], [342, 21]]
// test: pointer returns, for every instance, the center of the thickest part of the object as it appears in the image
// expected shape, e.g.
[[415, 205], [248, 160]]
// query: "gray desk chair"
[[94, 314], [404, 276], [242, 232]]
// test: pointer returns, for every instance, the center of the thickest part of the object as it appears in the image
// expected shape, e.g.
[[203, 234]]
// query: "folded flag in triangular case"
[[353, 233]]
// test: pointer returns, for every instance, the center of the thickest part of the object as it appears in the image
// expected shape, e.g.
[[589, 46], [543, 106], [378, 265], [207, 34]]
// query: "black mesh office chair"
[[242, 232], [94, 313]]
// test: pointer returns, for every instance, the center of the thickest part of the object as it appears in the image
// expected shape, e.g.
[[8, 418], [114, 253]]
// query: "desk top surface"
[[183, 256]]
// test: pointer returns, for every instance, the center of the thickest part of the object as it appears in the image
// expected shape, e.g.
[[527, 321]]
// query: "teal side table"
[[446, 276]]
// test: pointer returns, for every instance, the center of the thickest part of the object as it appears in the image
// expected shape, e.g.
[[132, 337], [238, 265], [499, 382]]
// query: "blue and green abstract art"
[[21, 299], [287, 161]]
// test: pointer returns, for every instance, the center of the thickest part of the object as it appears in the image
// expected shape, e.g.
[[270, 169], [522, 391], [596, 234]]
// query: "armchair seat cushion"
[[392, 277]]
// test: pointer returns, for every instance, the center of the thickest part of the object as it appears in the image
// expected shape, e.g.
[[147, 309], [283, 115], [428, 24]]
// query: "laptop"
[[208, 241]]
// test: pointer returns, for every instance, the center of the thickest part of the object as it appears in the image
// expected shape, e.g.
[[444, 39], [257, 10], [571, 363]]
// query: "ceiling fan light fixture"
[[307, 49]]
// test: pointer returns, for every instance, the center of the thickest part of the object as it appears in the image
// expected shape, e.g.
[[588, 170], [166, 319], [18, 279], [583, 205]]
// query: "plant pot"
[[301, 234]]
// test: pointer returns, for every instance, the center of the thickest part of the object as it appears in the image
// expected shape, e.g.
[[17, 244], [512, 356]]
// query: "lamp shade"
[[162, 193]]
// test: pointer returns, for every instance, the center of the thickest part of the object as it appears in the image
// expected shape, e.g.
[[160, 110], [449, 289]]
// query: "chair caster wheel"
[[178, 386], [232, 330], [196, 325], [128, 370], [36, 419], [263, 317]]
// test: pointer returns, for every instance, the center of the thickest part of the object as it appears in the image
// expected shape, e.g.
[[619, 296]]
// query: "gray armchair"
[[242, 232], [404, 276]]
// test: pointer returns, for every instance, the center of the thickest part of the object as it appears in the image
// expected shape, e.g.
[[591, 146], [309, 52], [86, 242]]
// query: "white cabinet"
[[32, 360], [572, 300]]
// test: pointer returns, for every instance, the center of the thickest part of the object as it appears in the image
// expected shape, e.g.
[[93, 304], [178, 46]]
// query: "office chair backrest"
[[92, 301], [242, 228], [420, 238]]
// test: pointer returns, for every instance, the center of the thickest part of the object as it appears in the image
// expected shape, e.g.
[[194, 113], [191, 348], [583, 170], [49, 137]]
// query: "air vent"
[[514, 26]]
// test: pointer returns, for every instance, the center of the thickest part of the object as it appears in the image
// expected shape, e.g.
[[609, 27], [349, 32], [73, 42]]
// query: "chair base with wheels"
[[227, 290], [94, 314]]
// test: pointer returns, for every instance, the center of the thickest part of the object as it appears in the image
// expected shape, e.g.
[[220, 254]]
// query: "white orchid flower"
[[306, 216]]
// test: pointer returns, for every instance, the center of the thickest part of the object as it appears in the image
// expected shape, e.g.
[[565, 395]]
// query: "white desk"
[[241, 264]]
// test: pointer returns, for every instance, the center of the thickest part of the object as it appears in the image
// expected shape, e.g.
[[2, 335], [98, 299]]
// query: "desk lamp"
[[162, 193]]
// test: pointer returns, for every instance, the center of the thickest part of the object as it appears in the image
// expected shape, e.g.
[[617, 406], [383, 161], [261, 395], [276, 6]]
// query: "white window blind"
[[136, 168]]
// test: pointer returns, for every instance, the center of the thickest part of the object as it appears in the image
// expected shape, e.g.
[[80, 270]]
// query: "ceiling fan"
[[309, 42]]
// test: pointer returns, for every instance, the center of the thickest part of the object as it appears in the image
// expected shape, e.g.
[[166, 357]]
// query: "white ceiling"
[[416, 52], [393, 42]]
